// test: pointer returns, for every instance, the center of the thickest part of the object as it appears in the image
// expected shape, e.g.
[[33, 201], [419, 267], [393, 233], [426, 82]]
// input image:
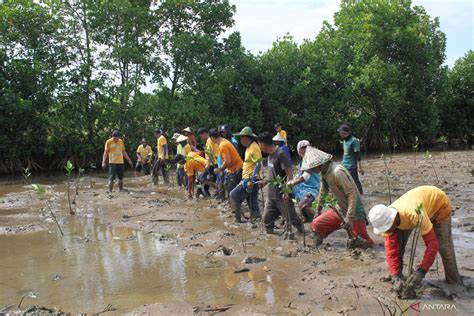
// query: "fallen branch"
[[355, 288], [164, 220], [130, 216], [108, 308]]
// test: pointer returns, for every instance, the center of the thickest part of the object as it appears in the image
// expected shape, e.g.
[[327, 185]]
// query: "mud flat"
[[149, 250]]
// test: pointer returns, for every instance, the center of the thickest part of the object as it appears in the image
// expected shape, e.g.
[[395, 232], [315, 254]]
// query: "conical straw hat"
[[313, 158]]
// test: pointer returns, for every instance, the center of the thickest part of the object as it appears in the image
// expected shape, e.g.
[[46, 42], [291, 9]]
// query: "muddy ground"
[[151, 251]]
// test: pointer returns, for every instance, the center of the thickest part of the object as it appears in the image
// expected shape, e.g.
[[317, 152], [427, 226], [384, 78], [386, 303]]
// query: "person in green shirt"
[[351, 158]]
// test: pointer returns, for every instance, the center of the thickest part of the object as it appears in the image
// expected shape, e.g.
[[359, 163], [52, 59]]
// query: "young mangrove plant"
[[416, 235], [78, 178], [41, 190], [387, 178], [69, 168], [429, 158], [444, 140], [416, 144]]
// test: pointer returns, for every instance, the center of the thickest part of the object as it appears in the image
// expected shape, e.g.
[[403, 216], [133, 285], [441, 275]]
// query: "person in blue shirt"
[[305, 186], [281, 143], [351, 159]]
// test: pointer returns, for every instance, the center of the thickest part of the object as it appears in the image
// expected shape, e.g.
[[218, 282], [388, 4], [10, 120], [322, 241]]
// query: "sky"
[[261, 22]]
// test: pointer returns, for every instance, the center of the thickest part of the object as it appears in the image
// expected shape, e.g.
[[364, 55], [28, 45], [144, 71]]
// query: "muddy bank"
[[149, 250]]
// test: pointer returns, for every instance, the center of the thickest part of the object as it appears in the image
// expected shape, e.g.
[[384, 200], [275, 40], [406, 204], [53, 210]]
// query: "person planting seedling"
[[193, 163], [349, 212], [278, 201], [429, 208], [144, 152], [114, 153]]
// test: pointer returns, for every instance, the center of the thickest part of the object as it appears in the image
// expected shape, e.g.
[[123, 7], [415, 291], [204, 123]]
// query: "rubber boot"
[[111, 187], [236, 208], [120, 183]]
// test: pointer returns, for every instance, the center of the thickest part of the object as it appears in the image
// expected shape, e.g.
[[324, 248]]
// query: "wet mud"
[[149, 250]]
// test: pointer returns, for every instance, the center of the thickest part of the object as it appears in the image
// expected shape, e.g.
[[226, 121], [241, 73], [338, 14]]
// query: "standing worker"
[[351, 157], [349, 210], [281, 143], [398, 220], [248, 188], [115, 152], [279, 129], [211, 152], [144, 153], [161, 157]]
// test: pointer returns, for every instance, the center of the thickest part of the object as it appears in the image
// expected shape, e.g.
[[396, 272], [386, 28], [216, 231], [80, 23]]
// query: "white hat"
[[175, 136], [314, 157], [188, 129], [301, 144], [382, 217], [181, 138], [278, 138]]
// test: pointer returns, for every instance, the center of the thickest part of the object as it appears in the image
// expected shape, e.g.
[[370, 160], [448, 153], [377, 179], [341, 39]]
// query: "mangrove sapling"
[[416, 234], [40, 190], [92, 167], [416, 144], [429, 158], [444, 140], [387, 177], [76, 184], [69, 168], [26, 178], [386, 141]]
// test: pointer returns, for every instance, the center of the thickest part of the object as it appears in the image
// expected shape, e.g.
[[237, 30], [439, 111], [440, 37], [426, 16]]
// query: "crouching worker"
[[144, 153], [248, 188], [305, 186], [349, 212], [398, 220], [193, 163]]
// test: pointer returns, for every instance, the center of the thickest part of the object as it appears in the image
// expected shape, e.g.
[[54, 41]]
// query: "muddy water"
[[94, 265]]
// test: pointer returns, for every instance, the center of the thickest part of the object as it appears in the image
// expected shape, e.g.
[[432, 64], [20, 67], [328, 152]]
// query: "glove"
[[414, 280], [397, 284]]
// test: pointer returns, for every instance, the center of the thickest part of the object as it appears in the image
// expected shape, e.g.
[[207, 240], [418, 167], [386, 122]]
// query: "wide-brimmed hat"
[[188, 130], [382, 218], [246, 131], [314, 157], [181, 138], [175, 136], [301, 144], [278, 138]]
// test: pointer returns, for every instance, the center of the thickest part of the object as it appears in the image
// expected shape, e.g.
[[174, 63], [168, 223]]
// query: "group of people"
[[328, 195]]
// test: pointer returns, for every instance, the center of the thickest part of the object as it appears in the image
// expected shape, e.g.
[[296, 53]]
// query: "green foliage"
[[419, 209], [325, 201], [38, 188], [69, 168]]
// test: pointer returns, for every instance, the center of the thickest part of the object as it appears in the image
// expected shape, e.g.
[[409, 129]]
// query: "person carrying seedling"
[[248, 188], [191, 138], [281, 143], [211, 151], [231, 161], [349, 212], [279, 129], [428, 209], [115, 152], [305, 186], [193, 163], [144, 153], [277, 202], [351, 159], [182, 148], [161, 157]]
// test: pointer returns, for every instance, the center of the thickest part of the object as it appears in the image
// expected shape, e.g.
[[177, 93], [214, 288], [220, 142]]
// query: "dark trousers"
[[275, 207], [145, 167], [231, 180], [208, 175], [240, 193], [159, 165], [181, 177], [354, 171]]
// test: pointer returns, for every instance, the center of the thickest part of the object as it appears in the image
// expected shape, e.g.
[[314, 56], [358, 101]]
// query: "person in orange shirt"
[[279, 129], [398, 220], [193, 163], [231, 161], [161, 157], [115, 152]]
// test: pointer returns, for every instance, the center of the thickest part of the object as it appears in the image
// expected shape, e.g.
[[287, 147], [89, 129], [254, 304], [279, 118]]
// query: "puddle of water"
[[112, 269]]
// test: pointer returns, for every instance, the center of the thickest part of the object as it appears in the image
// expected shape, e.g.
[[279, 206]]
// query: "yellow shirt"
[[436, 208], [186, 150], [144, 151], [159, 143], [284, 135], [194, 163], [228, 152], [251, 153], [212, 151], [115, 150]]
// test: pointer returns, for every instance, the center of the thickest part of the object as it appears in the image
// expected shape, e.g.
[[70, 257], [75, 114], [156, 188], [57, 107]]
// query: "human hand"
[[286, 197], [262, 183], [348, 223], [104, 165]]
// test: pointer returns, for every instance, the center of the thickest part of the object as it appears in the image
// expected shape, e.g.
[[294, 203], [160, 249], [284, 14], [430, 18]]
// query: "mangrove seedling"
[[387, 178], [416, 144], [429, 158], [78, 178], [41, 190], [416, 235], [69, 168], [26, 175]]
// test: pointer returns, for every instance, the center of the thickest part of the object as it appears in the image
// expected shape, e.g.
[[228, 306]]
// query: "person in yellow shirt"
[[279, 129], [231, 161], [211, 151], [398, 220], [193, 163], [248, 188], [161, 157], [114, 150], [144, 152]]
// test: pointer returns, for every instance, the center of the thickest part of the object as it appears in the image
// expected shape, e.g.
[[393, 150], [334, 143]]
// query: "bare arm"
[[104, 158]]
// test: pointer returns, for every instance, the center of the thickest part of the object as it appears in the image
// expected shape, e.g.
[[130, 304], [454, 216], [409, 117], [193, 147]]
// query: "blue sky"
[[261, 22]]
